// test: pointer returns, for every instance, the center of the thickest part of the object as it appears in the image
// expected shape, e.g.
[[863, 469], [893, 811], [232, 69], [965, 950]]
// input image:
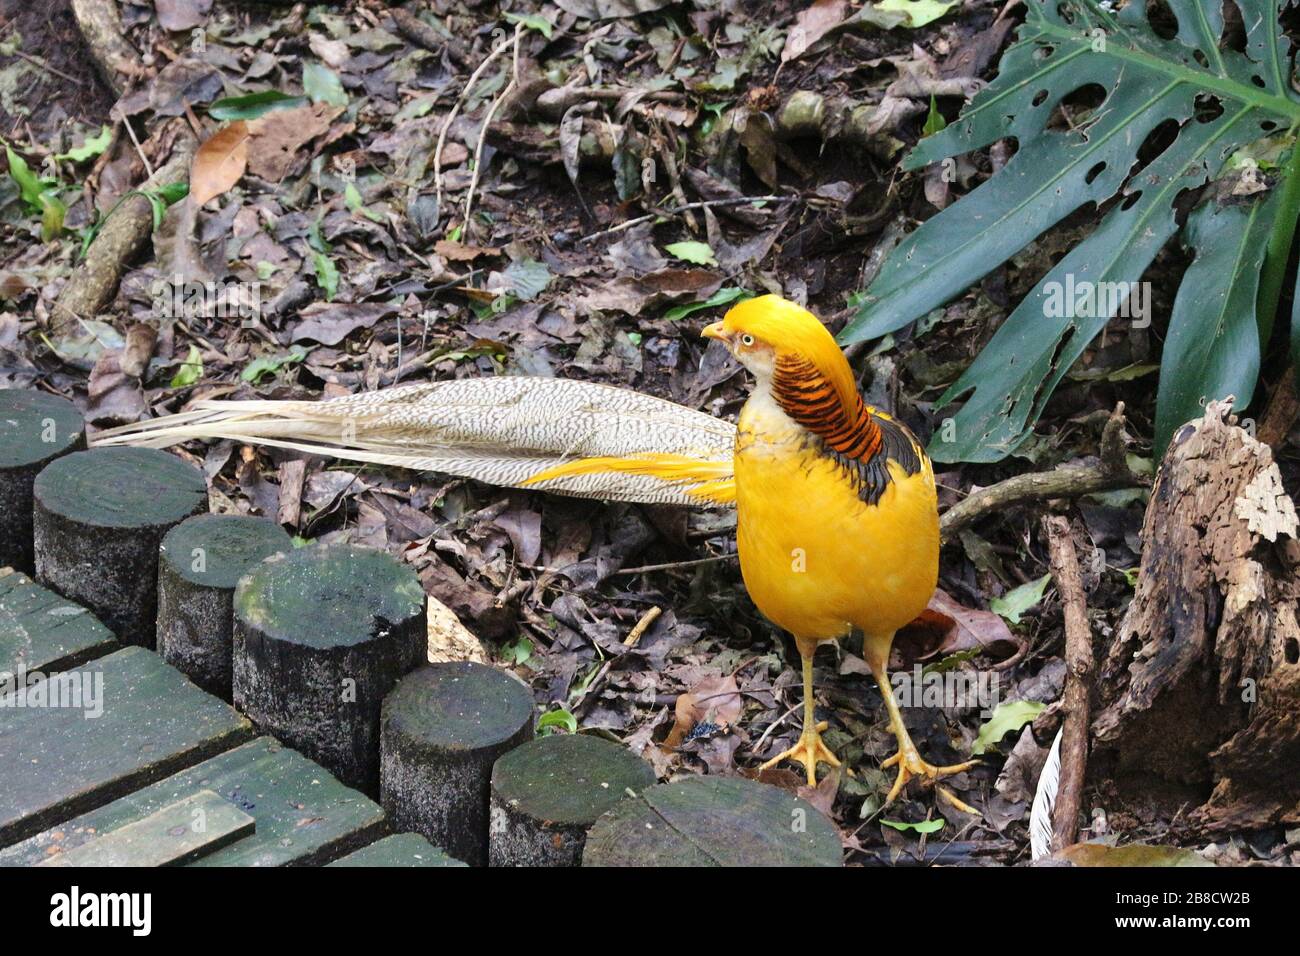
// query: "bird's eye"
[[747, 340]]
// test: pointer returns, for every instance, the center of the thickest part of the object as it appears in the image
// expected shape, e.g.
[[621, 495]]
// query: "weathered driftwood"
[[547, 793], [713, 821], [94, 282], [199, 564], [1199, 685], [443, 728], [35, 428], [98, 519], [321, 635]]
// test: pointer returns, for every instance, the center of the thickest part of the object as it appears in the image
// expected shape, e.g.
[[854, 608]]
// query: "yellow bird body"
[[818, 560]]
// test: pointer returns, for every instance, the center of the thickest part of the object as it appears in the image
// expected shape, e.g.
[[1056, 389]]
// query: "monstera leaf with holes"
[[1213, 108]]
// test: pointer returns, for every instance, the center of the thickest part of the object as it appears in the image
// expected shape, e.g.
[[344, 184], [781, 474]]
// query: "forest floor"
[[367, 274]]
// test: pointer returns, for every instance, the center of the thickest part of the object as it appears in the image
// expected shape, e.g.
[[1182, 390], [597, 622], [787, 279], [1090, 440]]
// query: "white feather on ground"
[[498, 430], [1040, 815]]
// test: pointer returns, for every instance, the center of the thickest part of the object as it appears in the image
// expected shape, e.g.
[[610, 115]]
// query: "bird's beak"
[[715, 331]]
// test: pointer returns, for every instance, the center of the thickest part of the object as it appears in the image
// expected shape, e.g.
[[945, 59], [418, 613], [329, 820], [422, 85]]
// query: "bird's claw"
[[911, 765], [807, 750]]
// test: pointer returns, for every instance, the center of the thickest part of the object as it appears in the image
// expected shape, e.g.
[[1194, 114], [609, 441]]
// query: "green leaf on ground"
[[921, 826], [91, 146], [1019, 600], [1007, 717], [322, 85], [919, 12], [252, 105], [191, 369], [699, 253], [721, 297]]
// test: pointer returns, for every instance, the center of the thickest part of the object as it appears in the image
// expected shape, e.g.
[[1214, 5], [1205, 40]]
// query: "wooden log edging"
[[200, 562], [98, 519], [321, 635], [547, 793], [444, 726], [35, 428]]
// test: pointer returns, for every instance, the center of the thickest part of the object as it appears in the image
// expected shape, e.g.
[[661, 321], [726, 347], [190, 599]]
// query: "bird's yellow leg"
[[809, 749], [908, 759]]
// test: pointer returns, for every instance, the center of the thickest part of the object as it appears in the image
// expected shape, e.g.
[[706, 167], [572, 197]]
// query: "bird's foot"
[[808, 750], [911, 765]]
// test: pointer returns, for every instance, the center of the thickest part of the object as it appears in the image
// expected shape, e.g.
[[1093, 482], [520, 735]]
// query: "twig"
[[674, 565], [487, 122], [677, 210], [1064, 563], [1068, 481], [455, 111], [423, 35], [633, 637], [148, 169], [37, 61]]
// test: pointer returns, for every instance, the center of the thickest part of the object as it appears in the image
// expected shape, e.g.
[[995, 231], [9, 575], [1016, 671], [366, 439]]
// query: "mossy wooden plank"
[[303, 814], [40, 631], [402, 850], [713, 821], [88, 735], [35, 428], [177, 833]]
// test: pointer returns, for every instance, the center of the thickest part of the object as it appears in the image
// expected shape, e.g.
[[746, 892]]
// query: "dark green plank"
[[404, 849], [179, 832], [135, 720], [40, 631], [303, 814]]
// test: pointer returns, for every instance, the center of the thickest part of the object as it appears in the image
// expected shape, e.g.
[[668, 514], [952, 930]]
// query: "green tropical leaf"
[[1206, 100], [252, 105], [1007, 716], [322, 85], [1019, 600]]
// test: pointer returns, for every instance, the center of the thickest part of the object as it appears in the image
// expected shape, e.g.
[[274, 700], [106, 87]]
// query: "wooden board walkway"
[[302, 815], [40, 631], [121, 721]]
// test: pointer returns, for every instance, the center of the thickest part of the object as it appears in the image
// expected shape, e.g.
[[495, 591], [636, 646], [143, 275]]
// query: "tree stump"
[[443, 728], [547, 793], [35, 428], [321, 635], [199, 564], [1203, 669], [713, 821], [98, 520]]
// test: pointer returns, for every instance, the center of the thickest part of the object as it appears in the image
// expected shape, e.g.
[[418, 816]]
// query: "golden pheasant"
[[837, 521]]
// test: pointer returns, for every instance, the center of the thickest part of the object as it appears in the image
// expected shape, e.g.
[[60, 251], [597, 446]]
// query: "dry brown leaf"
[[276, 138], [811, 25], [219, 163], [947, 627], [459, 252], [716, 699]]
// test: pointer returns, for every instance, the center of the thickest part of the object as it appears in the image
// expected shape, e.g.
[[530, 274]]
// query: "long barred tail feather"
[[540, 433]]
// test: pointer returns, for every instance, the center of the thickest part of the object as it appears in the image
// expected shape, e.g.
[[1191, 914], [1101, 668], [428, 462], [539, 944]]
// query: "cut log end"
[[547, 793], [713, 821], [321, 635], [443, 729], [98, 519], [200, 562], [35, 428]]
